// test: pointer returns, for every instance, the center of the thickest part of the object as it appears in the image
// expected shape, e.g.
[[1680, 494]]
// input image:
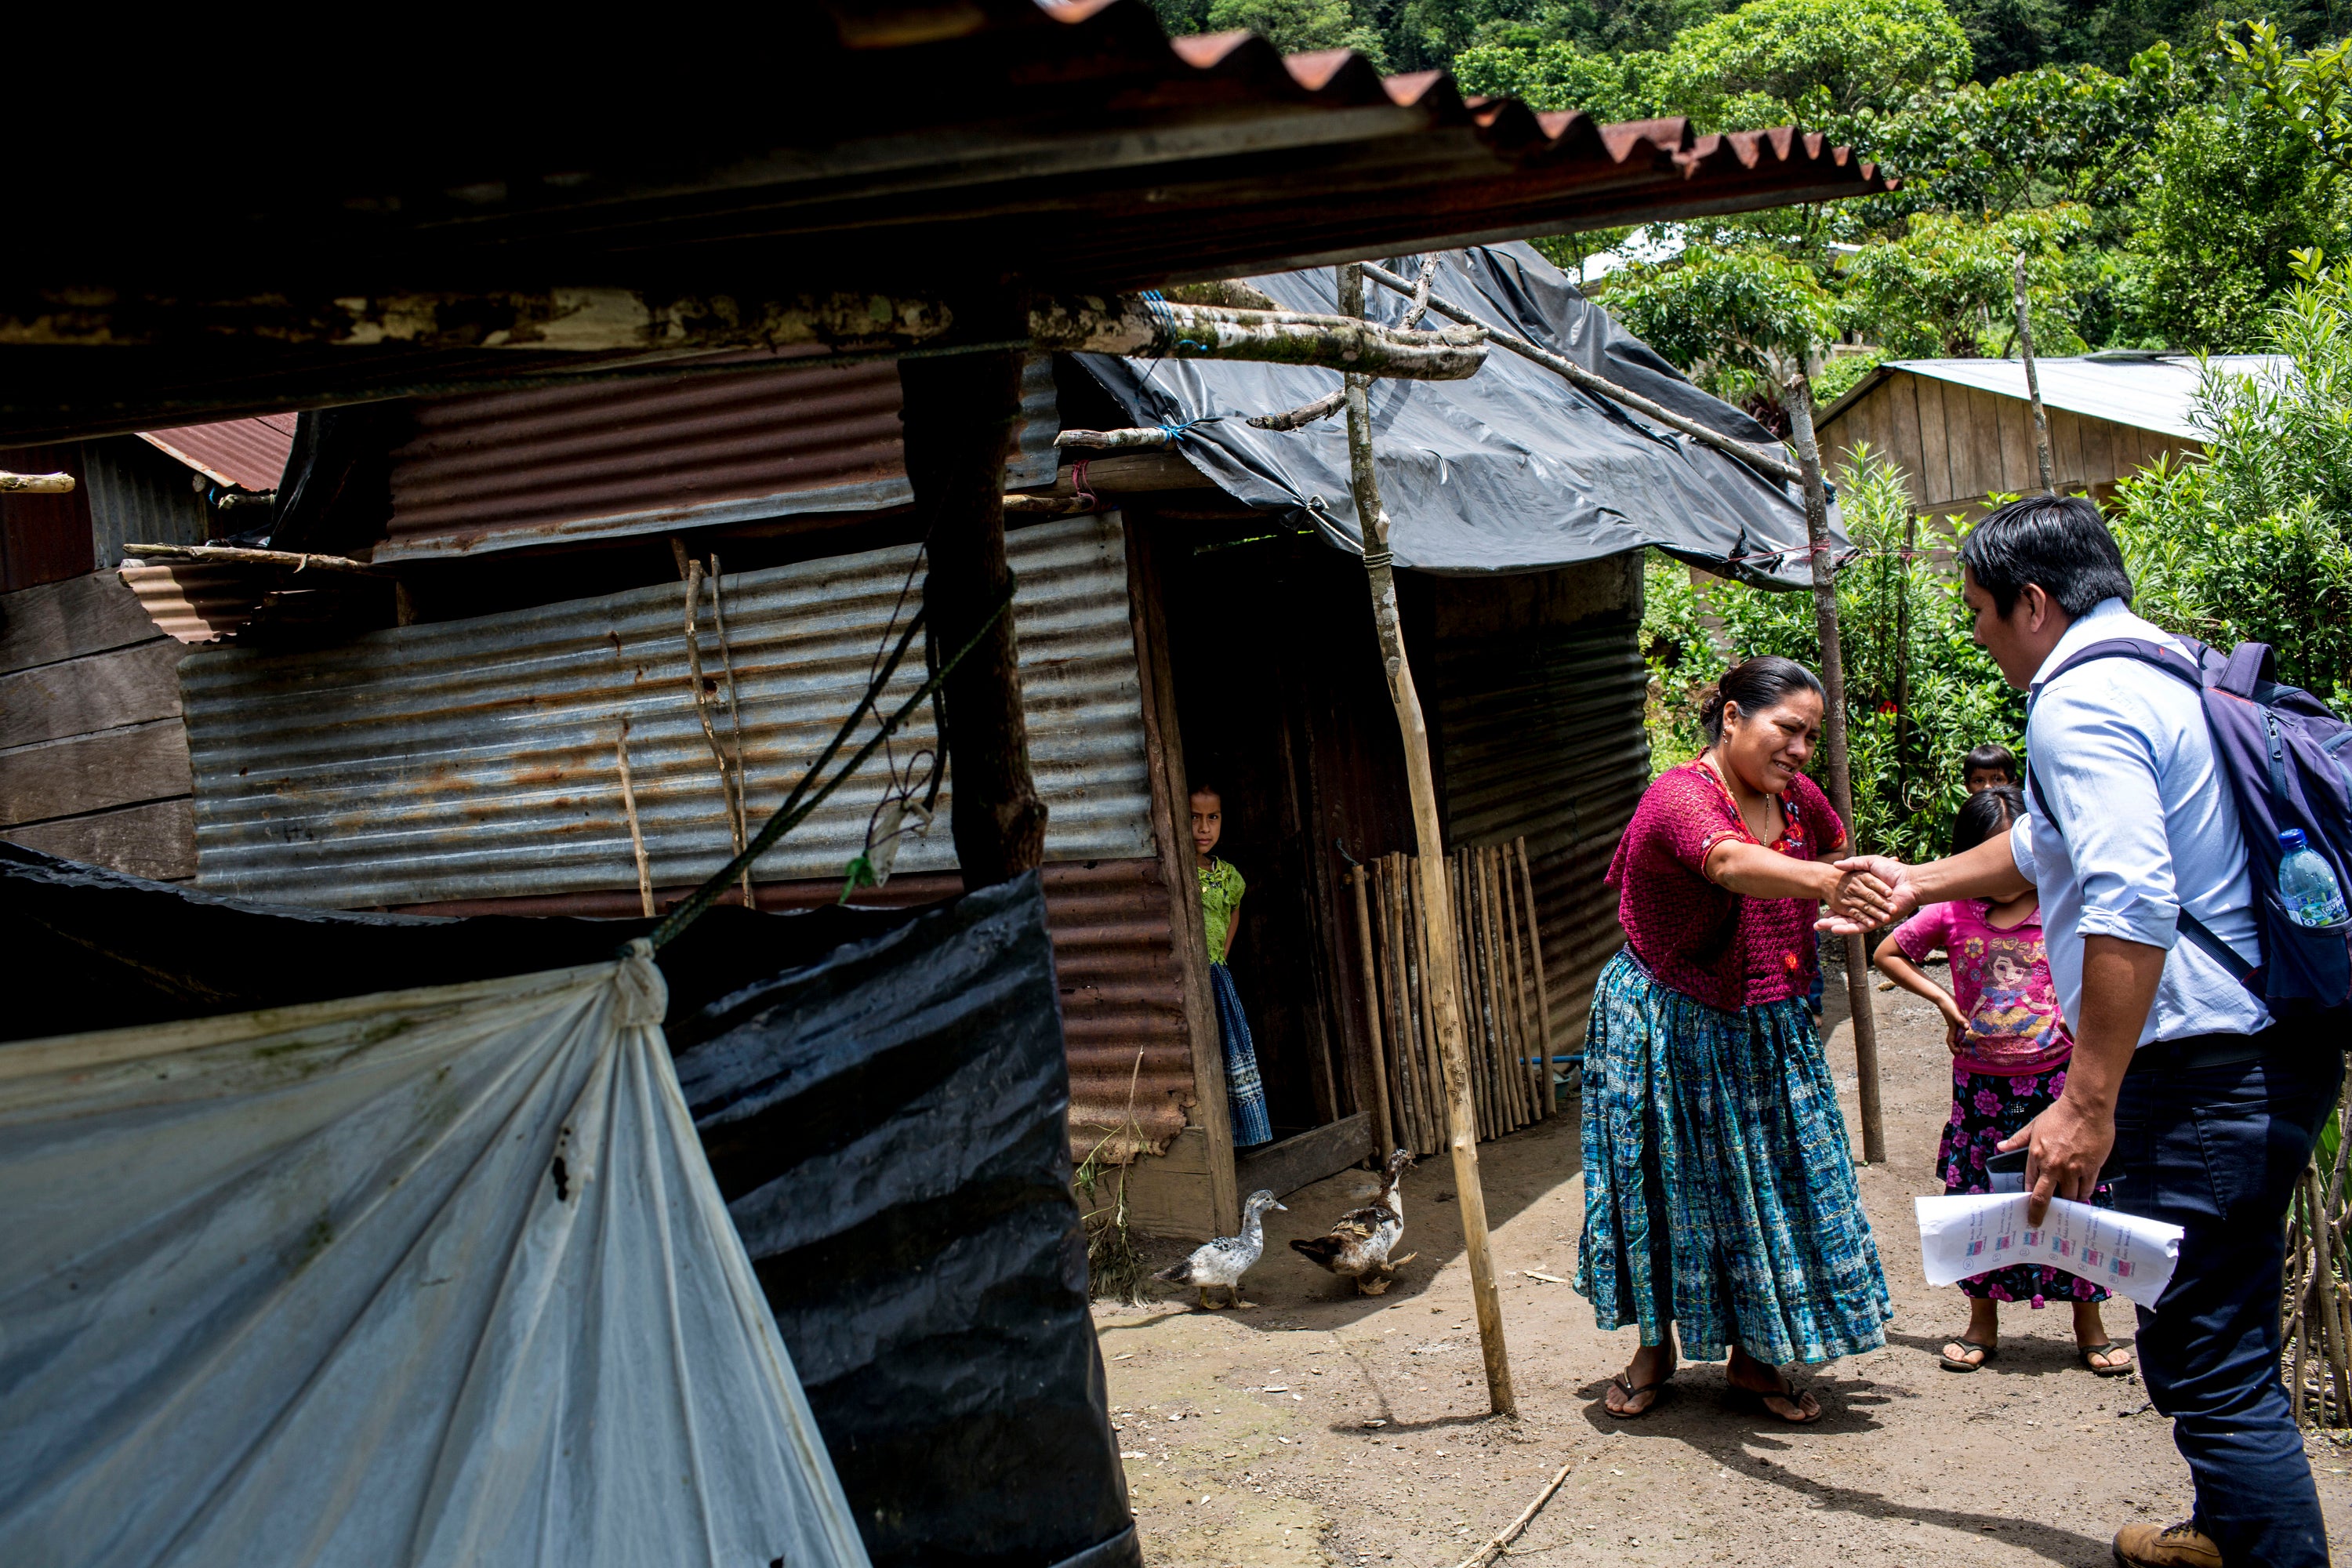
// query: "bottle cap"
[[2293, 838]]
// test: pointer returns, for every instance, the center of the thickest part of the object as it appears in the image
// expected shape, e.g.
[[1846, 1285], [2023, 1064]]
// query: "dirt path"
[[1321, 1429]]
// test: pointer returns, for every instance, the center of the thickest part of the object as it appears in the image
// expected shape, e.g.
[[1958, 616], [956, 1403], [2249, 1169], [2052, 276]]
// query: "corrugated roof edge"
[[1321, 75]]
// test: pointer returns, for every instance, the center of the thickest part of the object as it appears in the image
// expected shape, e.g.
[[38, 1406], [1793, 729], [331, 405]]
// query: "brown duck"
[[1358, 1247]]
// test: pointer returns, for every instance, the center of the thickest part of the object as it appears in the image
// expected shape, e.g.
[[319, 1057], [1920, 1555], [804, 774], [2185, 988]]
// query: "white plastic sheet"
[[428, 1277]]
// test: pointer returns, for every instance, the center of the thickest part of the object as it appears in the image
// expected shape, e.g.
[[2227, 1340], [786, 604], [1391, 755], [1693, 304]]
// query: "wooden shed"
[[1961, 429]]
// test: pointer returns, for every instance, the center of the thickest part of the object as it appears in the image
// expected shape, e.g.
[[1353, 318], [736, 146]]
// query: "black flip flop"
[[2084, 1353], [1987, 1351], [1622, 1383]]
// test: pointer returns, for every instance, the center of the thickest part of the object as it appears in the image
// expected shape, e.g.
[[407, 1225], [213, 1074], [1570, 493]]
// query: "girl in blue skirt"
[[1220, 901]]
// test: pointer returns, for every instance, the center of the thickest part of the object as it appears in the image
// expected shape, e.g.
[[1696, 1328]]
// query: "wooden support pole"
[[1797, 397], [35, 484], [2034, 384], [959, 414], [1420, 781], [1383, 1131]]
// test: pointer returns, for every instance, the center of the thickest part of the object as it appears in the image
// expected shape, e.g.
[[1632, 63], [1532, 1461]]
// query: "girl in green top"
[[1221, 900]]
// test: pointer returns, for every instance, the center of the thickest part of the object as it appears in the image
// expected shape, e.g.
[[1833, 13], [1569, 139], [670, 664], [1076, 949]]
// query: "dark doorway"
[[1282, 704]]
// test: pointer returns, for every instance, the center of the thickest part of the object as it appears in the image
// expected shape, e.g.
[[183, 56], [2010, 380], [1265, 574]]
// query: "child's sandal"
[[1961, 1363]]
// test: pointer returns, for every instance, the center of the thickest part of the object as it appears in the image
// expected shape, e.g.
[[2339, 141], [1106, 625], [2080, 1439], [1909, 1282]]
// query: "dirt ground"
[[1325, 1429]]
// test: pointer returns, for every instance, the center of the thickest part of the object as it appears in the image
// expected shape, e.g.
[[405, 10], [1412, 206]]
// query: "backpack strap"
[[2185, 923], [2249, 663]]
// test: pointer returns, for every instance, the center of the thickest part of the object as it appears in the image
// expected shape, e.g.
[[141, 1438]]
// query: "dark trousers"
[[2217, 1149]]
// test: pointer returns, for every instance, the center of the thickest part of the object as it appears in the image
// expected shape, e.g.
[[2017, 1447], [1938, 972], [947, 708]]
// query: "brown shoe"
[[2181, 1545]]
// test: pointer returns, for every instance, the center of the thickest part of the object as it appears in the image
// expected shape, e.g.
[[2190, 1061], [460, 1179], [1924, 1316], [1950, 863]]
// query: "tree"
[[1296, 25], [1822, 61], [1561, 76], [2253, 539], [2240, 185], [1943, 287]]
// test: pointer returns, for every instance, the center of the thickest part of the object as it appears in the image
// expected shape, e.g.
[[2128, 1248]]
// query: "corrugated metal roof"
[[476, 759], [597, 459], [247, 453], [917, 149], [2156, 393]]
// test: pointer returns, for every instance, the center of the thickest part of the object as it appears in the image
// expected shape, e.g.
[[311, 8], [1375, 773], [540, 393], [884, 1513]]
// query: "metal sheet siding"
[[477, 759], [247, 453], [138, 496], [612, 458], [1542, 736]]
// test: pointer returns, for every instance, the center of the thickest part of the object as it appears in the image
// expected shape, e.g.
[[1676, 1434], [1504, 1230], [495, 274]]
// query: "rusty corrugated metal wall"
[[1541, 734], [478, 759], [650, 454]]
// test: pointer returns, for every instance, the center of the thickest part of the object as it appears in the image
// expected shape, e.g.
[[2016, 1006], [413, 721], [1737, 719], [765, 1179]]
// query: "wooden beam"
[[1163, 329], [960, 413], [36, 484], [1430, 861]]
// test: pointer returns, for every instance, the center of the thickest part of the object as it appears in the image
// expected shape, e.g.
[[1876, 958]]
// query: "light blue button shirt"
[[2144, 822]]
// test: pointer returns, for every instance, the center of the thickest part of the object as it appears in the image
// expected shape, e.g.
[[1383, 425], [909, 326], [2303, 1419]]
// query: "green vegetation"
[[1905, 634]]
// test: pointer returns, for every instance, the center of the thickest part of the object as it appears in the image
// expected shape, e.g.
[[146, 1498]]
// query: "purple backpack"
[[2289, 762]]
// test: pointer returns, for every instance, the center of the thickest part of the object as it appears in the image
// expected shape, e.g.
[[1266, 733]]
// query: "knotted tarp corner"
[[435, 1276]]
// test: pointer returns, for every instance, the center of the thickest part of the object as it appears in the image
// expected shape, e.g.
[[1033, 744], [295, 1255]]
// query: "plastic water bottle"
[[2307, 885]]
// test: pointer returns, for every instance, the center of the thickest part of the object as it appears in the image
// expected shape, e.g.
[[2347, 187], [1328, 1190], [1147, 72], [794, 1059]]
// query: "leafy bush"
[[1902, 624], [2253, 539]]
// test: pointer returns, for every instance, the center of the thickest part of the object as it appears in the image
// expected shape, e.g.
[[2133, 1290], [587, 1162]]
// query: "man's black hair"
[[2059, 542], [1989, 759]]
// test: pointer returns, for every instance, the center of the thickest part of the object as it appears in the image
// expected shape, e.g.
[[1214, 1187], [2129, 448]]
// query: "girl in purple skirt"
[[2010, 1048]]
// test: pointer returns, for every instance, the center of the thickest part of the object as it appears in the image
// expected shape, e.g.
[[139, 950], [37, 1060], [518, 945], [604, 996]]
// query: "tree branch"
[[1144, 328]]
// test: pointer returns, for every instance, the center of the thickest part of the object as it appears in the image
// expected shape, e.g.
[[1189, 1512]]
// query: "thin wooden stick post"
[[1383, 1134], [1420, 781], [2034, 384], [637, 832], [1543, 997], [1797, 397]]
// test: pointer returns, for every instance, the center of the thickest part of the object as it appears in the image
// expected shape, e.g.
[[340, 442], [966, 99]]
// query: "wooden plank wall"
[[1958, 444], [93, 757]]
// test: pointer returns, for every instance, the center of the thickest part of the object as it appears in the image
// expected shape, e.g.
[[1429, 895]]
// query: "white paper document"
[[1969, 1234]]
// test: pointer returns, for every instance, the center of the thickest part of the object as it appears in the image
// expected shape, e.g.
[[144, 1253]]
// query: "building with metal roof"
[[1962, 429]]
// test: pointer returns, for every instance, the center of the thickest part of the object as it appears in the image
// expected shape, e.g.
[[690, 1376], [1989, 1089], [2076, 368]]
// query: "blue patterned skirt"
[[1244, 1090], [1718, 1184]]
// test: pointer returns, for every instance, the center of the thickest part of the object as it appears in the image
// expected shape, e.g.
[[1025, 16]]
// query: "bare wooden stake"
[[1543, 997], [1383, 1133], [35, 484], [1420, 782], [729, 805], [2034, 384], [636, 833], [1797, 397]]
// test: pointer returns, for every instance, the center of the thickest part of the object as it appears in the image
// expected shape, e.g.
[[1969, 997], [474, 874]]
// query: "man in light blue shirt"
[[2209, 1106]]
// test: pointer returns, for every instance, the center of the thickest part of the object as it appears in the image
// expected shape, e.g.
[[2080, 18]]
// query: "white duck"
[[1223, 1262]]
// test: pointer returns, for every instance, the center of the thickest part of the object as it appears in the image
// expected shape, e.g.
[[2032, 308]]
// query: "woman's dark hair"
[[1205, 787], [1755, 686], [2059, 542], [1986, 814], [1991, 759]]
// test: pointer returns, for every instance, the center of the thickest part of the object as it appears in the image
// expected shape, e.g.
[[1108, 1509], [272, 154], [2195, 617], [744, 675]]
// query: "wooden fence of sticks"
[[2316, 1309], [1507, 1019]]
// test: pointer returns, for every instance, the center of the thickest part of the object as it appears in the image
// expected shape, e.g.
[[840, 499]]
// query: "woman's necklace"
[[1735, 790]]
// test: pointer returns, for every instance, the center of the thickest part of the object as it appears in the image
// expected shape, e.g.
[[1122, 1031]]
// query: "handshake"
[[1871, 890]]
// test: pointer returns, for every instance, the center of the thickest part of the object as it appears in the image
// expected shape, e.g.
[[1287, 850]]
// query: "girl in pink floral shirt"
[[2009, 1048]]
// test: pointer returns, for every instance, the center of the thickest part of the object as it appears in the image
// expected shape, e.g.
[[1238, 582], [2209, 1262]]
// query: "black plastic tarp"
[[887, 1127], [882, 1094], [1512, 469]]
